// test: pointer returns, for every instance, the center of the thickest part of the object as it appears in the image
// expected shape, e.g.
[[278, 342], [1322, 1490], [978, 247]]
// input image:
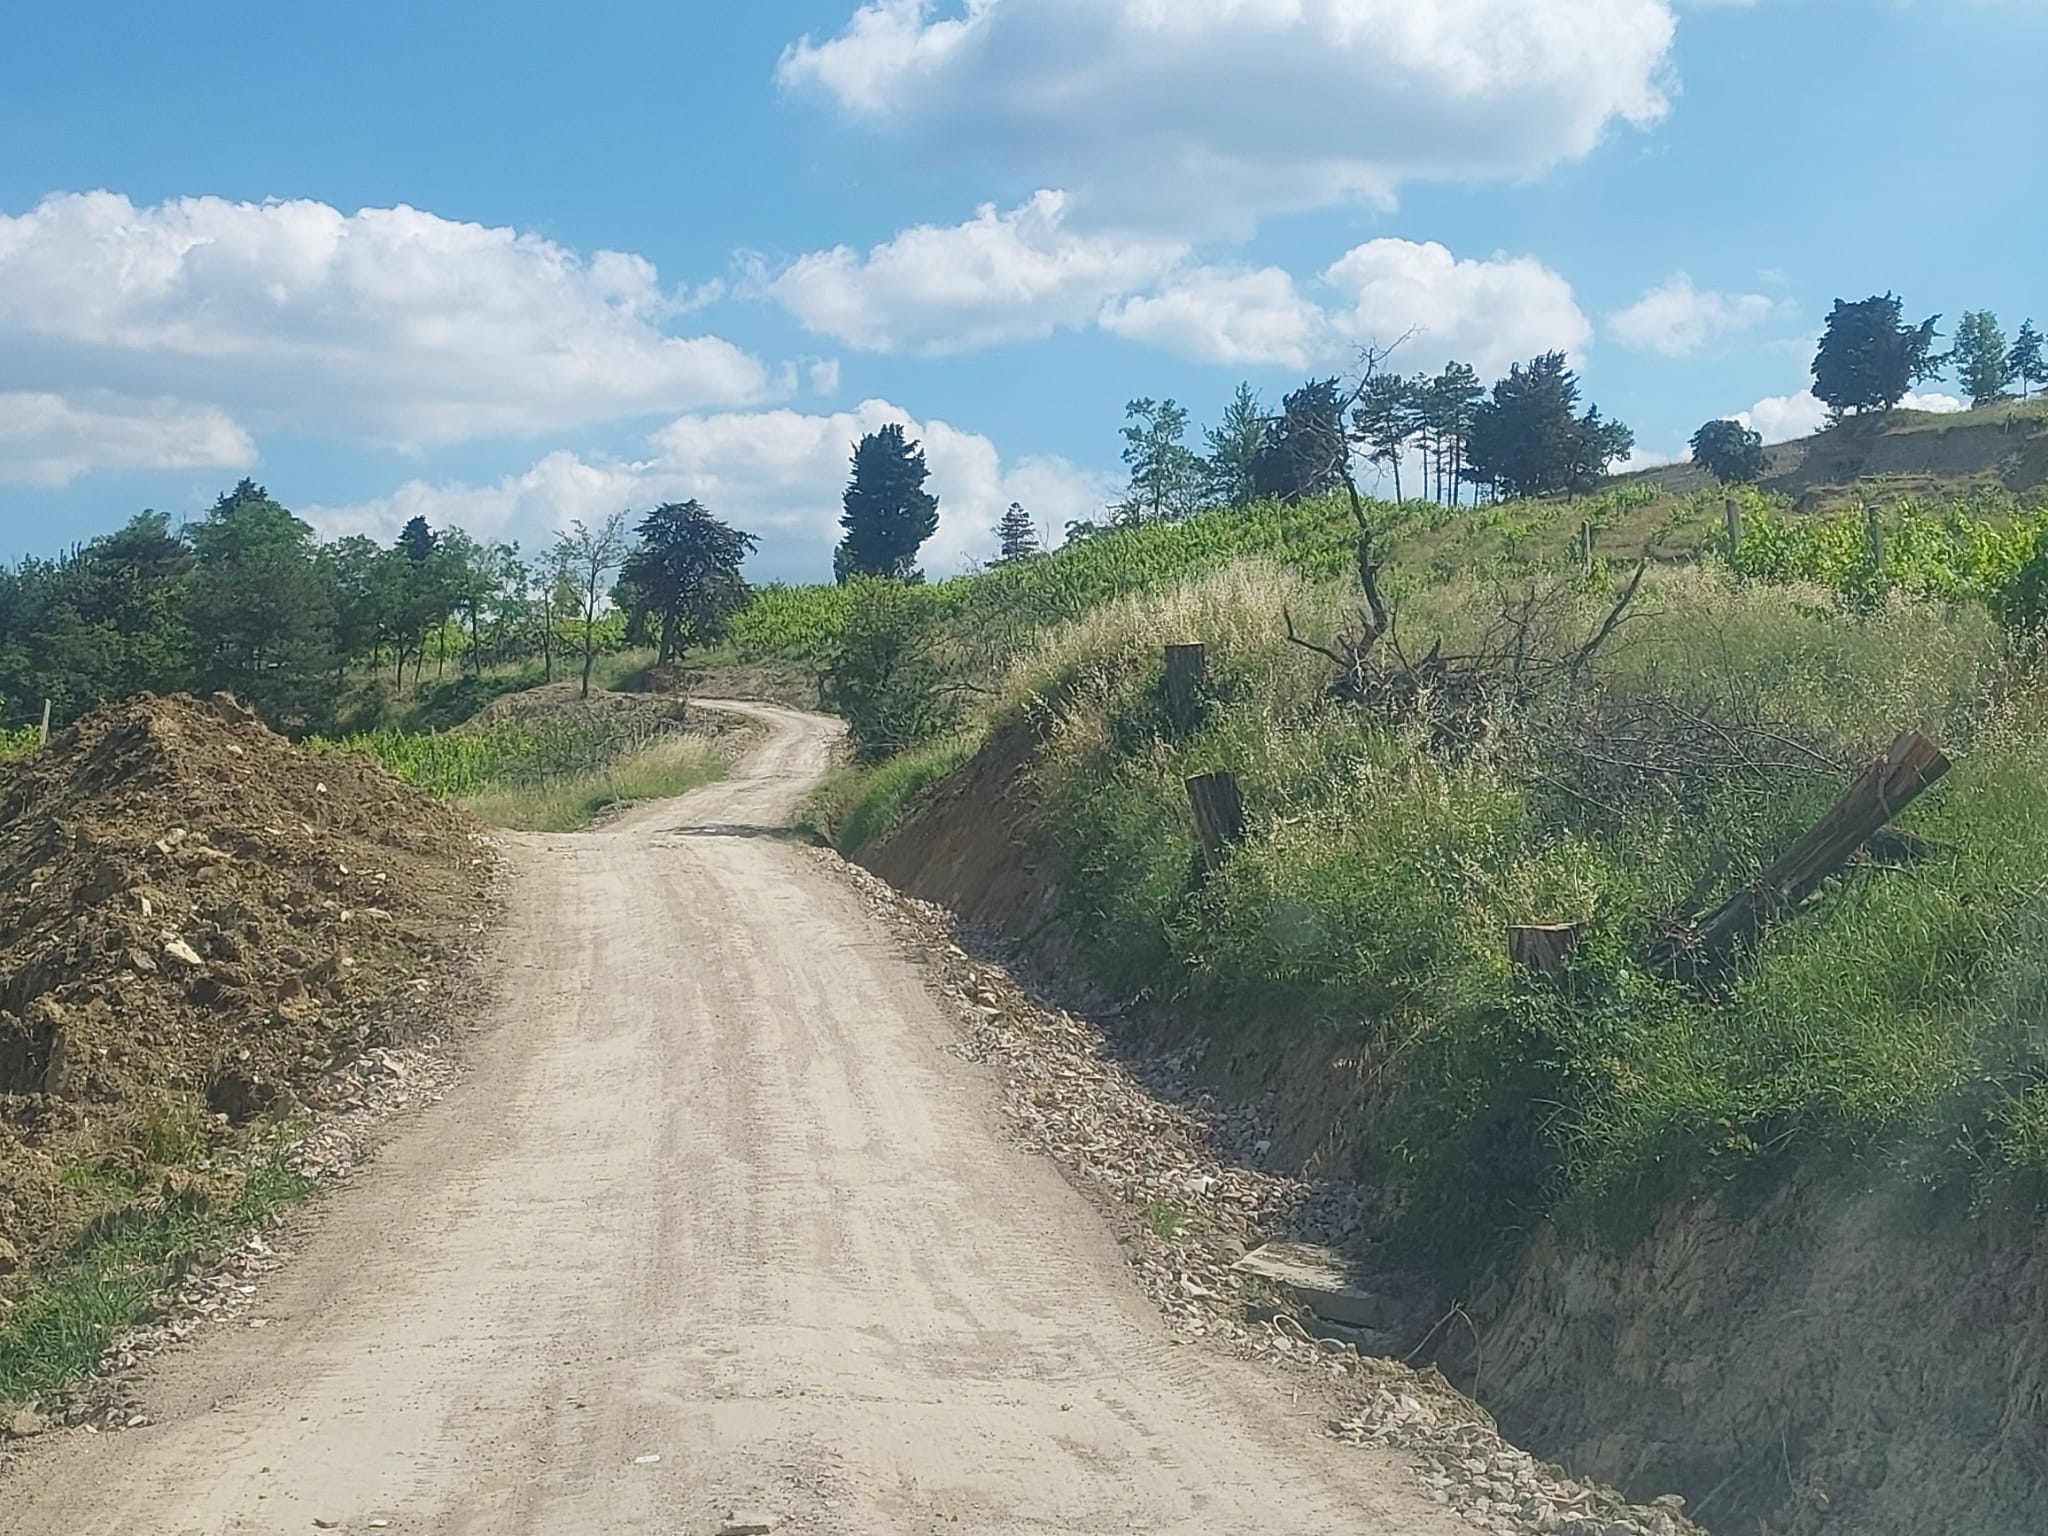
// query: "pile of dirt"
[[198, 921]]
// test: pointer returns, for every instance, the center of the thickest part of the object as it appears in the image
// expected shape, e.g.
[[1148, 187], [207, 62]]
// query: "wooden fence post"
[[46, 723], [1544, 948], [1704, 951], [1875, 519], [1586, 547], [1219, 815], [1731, 511], [1187, 669]]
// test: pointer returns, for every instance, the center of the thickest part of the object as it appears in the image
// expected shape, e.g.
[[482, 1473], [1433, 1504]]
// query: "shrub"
[[884, 675]]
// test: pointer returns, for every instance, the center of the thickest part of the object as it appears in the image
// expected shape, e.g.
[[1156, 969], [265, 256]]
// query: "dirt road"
[[712, 1193]]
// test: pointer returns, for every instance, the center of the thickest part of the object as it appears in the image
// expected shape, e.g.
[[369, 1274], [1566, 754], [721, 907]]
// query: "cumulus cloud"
[[1160, 106], [390, 325], [1780, 418], [48, 439], [1678, 319], [1001, 276], [1217, 315], [776, 473], [1489, 313]]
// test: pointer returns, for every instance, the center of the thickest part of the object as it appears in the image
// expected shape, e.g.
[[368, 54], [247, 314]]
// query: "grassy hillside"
[[1398, 829]]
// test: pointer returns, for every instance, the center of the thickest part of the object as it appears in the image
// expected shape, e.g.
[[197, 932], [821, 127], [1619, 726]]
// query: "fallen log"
[[1703, 952]]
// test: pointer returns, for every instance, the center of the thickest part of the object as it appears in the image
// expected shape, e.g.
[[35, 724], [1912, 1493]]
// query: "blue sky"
[[507, 266]]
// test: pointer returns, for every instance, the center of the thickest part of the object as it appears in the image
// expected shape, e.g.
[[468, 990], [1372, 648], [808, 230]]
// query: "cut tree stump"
[[1544, 949], [1219, 815], [1703, 952], [1187, 670]]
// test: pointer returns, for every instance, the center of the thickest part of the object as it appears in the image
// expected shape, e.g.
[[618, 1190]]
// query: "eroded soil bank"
[[1824, 1350]]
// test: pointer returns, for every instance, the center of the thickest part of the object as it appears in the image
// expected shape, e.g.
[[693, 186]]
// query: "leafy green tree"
[[887, 513], [2025, 364], [365, 585], [1166, 475], [588, 555], [1016, 537], [1234, 444], [1869, 358], [1983, 366], [1730, 452], [1386, 420], [1528, 439], [261, 612], [687, 570], [1307, 450], [883, 676]]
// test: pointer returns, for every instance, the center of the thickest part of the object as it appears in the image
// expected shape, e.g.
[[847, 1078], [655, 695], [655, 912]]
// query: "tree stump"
[[1544, 949], [1219, 815], [1187, 669]]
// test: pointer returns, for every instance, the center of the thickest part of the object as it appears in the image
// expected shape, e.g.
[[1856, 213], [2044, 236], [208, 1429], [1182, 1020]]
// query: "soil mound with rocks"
[[198, 922]]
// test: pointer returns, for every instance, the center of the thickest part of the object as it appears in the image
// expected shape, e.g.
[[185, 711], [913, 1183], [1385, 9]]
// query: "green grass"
[[15, 745], [1363, 920], [857, 807], [658, 771], [71, 1313]]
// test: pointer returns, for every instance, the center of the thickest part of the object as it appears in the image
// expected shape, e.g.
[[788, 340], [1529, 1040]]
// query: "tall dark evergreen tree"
[[1234, 445], [686, 569], [1386, 421], [1016, 538], [1869, 358], [262, 615], [887, 513], [1529, 440], [2027, 364], [1307, 447]]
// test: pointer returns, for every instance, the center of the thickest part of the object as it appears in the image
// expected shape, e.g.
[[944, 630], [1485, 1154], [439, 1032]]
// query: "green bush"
[[884, 676]]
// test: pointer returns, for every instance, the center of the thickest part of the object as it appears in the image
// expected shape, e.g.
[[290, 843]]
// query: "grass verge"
[[57, 1331], [656, 772], [858, 806]]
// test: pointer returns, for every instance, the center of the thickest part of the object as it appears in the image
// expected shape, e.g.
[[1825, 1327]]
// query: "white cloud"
[[1488, 313], [47, 439], [823, 376], [777, 474], [1001, 276], [1215, 315], [1934, 400], [1780, 418], [388, 325], [1678, 319], [1236, 107]]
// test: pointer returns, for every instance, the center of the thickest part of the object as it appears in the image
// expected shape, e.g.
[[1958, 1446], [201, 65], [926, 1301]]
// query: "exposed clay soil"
[[197, 921]]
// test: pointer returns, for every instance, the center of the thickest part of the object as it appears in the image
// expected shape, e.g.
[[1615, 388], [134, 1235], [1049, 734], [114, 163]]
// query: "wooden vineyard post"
[[1187, 669], [1704, 952], [1731, 510], [1586, 547], [1219, 815], [1544, 949], [46, 723], [1875, 520]]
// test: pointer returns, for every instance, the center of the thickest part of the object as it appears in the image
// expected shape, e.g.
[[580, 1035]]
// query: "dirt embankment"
[[197, 921], [1841, 1354]]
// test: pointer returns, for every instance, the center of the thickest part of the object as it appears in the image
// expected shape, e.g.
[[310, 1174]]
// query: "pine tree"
[[1386, 420], [2025, 360], [887, 514], [1306, 448], [1234, 444], [1016, 537], [686, 570], [1982, 365], [1528, 440]]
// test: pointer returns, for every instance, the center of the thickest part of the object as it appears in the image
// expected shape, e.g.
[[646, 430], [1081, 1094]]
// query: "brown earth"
[[565, 701], [1842, 1354], [197, 920]]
